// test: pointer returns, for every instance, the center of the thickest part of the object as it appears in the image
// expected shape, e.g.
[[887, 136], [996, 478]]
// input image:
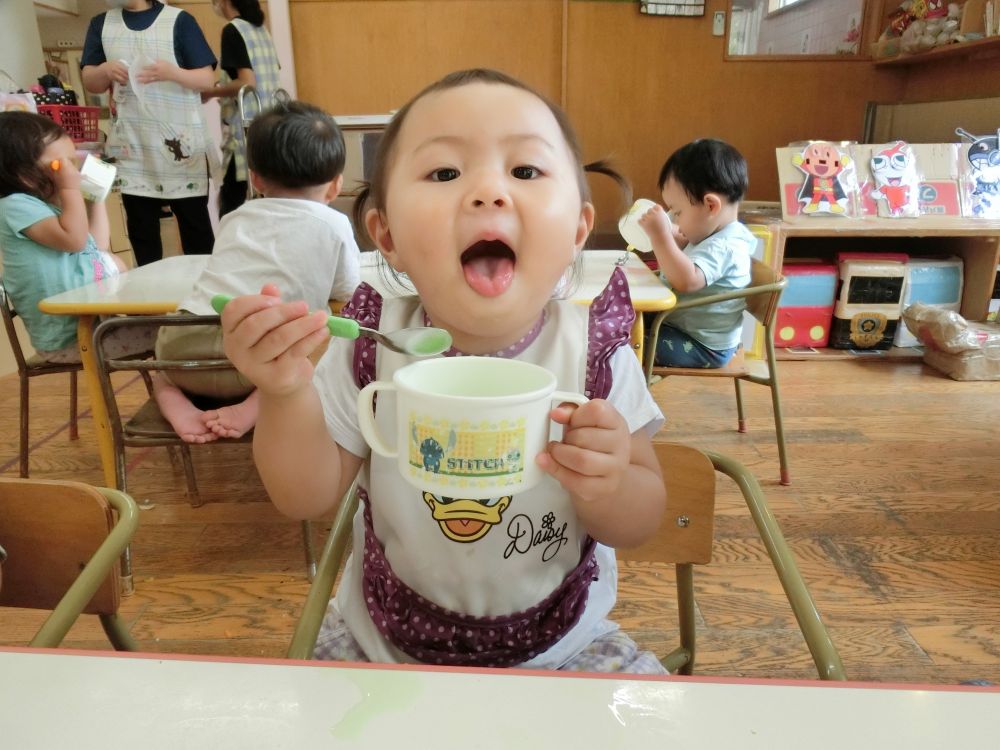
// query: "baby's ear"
[[378, 230], [334, 188], [585, 225], [714, 203]]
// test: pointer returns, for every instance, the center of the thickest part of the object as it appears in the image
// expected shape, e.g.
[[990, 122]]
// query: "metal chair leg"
[[741, 420], [779, 425], [24, 446], [194, 497], [310, 551]]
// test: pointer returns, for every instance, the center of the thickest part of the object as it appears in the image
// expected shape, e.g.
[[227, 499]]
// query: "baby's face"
[[483, 210], [692, 218]]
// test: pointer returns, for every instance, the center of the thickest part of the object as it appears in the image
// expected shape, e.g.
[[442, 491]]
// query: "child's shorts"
[[200, 342], [677, 348], [612, 652]]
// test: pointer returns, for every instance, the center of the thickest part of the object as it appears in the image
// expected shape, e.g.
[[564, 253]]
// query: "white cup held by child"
[[467, 425], [628, 226], [96, 178]]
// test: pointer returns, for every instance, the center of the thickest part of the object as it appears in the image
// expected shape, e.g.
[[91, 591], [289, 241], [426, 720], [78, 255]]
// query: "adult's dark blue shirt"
[[190, 47]]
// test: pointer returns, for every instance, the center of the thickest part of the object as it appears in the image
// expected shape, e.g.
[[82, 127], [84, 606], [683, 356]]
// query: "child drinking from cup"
[[704, 250], [478, 195], [50, 239], [290, 236]]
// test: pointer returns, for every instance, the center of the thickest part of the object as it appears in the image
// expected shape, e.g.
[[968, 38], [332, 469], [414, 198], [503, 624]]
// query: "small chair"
[[63, 543], [762, 297], [32, 367], [147, 426], [685, 539]]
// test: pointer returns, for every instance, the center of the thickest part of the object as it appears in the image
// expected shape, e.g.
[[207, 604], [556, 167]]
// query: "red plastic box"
[[80, 123]]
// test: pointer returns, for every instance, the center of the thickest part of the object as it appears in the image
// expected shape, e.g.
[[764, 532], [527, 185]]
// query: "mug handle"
[[366, 417], [560, 397]]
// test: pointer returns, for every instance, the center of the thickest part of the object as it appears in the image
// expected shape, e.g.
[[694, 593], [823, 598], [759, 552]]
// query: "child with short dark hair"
[[296, 158], [702, 249]]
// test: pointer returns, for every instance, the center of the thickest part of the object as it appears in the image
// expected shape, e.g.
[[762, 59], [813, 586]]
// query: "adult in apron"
[[155, 60], [248, 58]]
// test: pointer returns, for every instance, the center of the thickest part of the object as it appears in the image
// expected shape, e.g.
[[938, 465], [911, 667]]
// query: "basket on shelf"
[[80, 123]]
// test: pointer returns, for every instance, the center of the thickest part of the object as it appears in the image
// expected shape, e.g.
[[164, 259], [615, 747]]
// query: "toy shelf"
[[976, 241], [976, 49]]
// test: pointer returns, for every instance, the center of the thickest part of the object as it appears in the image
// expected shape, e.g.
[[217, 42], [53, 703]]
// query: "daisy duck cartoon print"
[[984, 162], [894, 170], [829, 183]]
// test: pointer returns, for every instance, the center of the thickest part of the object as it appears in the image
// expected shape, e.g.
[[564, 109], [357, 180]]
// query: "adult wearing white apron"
[[156, 61], [248, 58]]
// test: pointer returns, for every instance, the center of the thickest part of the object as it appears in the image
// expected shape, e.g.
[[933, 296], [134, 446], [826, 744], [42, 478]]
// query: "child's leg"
[[186, 418], [676, 348], [615, 652], [233, 421]]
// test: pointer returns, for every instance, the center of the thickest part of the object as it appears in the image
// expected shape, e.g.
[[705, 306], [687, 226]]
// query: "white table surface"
[[82, 700]]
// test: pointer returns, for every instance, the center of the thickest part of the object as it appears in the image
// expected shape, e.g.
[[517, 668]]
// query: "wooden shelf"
[[989, 47], [895, 354]]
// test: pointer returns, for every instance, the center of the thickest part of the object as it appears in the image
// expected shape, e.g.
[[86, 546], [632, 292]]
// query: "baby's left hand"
[[595, 452]]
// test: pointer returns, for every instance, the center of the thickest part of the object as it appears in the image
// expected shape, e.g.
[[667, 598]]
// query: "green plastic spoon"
[[417, 342]]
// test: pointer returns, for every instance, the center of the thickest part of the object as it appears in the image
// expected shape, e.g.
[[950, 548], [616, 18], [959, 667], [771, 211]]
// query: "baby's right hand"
[[65, 174], [270, 341], [656, 223]]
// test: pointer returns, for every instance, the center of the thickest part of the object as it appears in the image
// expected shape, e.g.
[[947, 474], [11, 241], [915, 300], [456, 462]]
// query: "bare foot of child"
[[186, 418], [233, 421]]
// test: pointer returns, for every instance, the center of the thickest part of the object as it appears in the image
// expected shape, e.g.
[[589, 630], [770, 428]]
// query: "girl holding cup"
[[479, 197], [50, 239]]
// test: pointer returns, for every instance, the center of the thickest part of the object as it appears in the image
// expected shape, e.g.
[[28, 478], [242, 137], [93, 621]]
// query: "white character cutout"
[[896, 182]]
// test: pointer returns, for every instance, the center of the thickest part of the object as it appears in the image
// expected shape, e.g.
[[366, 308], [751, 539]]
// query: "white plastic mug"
[[467, 425], [628, 226]]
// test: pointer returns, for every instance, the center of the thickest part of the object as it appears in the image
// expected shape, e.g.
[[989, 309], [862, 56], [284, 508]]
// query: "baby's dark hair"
[[25, 136], [707, 166], [372, 193], [295, 145]]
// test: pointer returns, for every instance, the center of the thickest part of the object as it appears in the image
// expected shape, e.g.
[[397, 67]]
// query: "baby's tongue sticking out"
[[488, 267]]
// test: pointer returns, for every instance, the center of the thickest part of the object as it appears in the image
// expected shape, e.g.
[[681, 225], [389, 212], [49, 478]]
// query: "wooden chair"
[[762, 298], [63, 544], [685, 539], [147, 426], [31, 367]]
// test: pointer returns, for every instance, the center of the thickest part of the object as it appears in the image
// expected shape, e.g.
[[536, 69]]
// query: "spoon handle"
[[344, 328]]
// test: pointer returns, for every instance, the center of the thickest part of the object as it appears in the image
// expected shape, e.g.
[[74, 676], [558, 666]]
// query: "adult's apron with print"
[[158, 135], [264, 61]]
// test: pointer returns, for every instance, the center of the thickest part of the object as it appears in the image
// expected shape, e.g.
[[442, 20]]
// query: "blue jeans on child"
[[678, 349]]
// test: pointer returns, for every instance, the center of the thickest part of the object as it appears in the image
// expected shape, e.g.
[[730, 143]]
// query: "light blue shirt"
[[724, 258], [32, 272]]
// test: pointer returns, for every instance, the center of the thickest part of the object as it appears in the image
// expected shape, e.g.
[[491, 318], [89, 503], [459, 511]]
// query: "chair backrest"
[[686, 532], [50, 530], [764, 306], [8, 323]]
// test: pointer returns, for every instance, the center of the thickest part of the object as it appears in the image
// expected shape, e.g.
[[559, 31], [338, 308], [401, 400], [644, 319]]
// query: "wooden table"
[[89, 700], [153, 289], [157, 288]]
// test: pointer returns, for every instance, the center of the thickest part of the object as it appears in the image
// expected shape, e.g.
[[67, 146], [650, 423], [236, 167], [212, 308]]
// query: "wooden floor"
[[893, 514]]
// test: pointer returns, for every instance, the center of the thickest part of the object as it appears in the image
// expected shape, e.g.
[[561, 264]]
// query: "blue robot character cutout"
[[984, 160]]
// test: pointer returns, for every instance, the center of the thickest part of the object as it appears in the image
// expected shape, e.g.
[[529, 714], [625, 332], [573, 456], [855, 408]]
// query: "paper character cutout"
[[823, 190], [894, 170], [984, 158]]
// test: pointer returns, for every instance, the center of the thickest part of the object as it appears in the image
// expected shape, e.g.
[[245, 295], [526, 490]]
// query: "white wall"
[[20, 43]]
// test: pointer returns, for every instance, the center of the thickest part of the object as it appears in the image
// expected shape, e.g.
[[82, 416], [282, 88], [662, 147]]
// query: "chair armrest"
[[94, 573], [824, 653], [307, 628]]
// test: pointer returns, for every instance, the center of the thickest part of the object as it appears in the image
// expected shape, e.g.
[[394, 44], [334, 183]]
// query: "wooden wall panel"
[[363, 57], [636, 87]]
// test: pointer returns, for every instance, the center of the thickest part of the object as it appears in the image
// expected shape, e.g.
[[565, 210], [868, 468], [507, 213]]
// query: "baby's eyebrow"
[[458, 140]]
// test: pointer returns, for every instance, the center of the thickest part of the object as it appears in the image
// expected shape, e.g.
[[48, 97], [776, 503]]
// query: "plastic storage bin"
[[80, 123], [806, 308], [936, 282]]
